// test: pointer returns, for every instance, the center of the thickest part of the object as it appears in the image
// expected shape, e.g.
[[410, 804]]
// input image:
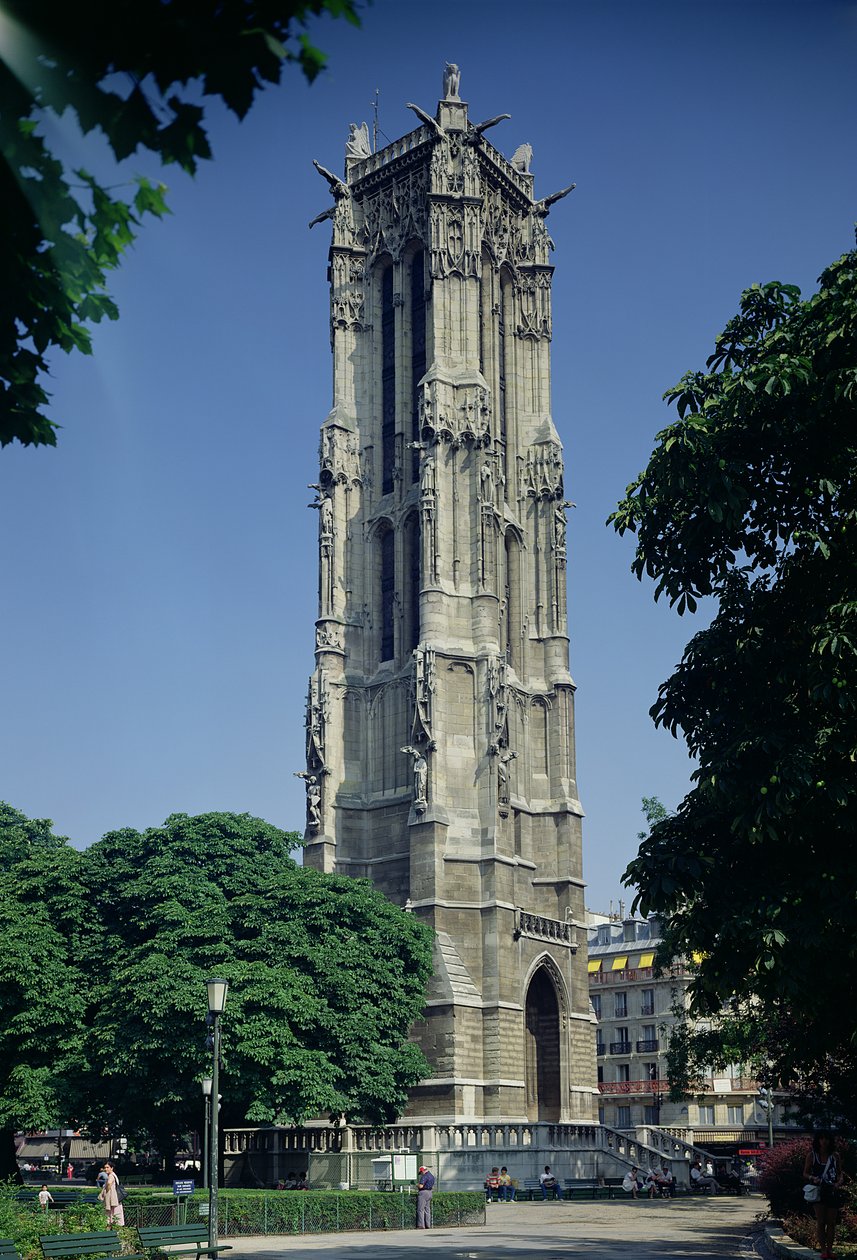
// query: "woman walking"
[[823, 1168], [109, 1196]]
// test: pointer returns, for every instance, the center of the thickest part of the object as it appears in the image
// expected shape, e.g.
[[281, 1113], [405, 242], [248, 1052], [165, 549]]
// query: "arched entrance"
[[542, 1048]]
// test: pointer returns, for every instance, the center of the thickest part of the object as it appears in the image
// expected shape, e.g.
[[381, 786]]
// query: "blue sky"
[[159, 566]]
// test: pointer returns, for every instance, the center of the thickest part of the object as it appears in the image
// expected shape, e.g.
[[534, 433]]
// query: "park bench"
[[61, 1198], [8, 1250], [532, 1190], [577, 1188], [102, 1242], [163, 1236]]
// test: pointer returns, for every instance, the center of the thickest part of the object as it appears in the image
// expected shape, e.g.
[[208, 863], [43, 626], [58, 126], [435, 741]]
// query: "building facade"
[[635, 1011], [440, 715]]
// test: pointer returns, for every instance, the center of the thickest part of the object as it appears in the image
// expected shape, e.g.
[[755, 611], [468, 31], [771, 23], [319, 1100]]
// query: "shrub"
[[781, 1178]]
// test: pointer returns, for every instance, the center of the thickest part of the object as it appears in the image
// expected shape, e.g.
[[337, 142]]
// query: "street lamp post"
[[206, 1091], [217, 988]]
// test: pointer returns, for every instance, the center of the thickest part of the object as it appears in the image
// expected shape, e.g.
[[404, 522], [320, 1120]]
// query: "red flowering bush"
[[781, 1178]]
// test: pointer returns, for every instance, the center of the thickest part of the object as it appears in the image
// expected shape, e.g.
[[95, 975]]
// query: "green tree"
[[750, 499], [139, 72], [42, 999], [326, 977]]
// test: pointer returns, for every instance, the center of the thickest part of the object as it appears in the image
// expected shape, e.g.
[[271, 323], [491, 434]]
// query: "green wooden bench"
[[8, 1250], [103, 1242], [164, 1236]]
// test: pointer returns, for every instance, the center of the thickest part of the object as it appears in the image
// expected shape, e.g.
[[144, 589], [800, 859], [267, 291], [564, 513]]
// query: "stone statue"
[[420, 777], [451, 82], [522, 157], [427, 481], [325, 508], [358, 146], [313, 799], [503, 771]]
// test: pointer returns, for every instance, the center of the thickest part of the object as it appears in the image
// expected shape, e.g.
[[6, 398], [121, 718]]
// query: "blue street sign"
[[183, 1187]]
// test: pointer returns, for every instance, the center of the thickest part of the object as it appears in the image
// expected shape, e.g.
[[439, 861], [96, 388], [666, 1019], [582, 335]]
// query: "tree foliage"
[[750, 498], [326, 977], [139, 72], [42, 1005]]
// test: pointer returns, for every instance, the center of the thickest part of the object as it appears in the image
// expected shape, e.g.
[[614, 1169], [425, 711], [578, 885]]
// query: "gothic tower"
[[440, 727]]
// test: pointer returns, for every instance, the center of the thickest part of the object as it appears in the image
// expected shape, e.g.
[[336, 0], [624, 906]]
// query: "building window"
[[418, 350], [599, 1044], [647, 1002], [412, 583], [706, 1114], [388, 587], [623, 1117], [600, 1071], [650, 1114], [620, 1005], [735, 1115], [596, 1004], [388, 382], [600, 1115], [623, 1071], [604, 934], [622, 1044]]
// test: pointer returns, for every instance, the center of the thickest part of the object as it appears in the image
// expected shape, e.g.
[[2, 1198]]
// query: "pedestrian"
[[549, 1183], [425, 1186], [45, 1197], [70, 1170], [631, 1182], [507, 1190], [823, 1168], [109, 1196], [492, 1185], [700, 1180]]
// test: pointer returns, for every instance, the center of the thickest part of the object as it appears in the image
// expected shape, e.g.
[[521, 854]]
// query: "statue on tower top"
[[451, 82]]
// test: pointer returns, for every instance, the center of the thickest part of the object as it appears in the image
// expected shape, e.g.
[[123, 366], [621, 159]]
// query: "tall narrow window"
[[505, 308], [513, 601], [388, 382], [418, 349], [412, 583], [388, 586]]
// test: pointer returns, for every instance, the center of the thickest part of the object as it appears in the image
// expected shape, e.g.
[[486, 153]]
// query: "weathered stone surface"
[[440, 716]]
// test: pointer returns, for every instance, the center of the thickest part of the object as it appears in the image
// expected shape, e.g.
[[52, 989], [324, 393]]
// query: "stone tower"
[[440, 726]]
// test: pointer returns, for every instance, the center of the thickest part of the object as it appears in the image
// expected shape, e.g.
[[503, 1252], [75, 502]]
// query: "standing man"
[[425, 1185]]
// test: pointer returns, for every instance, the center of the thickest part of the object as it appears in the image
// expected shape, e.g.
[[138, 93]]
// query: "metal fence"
[[299, 1212]]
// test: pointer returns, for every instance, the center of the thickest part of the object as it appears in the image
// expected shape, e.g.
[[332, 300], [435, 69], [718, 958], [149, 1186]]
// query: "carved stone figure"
[[522, 157], [451, 82], [503, 760], [313, 799], [427, 477], [325, 508], [358, 146], [420, 777]]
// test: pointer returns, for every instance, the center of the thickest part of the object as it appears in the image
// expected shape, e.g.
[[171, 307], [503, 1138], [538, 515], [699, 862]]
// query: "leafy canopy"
[[138, 72], [103, 957], [750, 498]]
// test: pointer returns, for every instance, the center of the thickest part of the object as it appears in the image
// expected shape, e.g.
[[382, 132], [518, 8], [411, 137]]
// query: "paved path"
[[698, 1227]]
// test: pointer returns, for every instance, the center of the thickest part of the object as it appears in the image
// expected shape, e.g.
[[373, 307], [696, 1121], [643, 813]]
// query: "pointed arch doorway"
[[542, 1049]]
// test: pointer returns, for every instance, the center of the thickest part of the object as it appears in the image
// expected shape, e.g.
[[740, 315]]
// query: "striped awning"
[[83, 1148], [646, 960], [38, 1148], [620, 963], [594, 965]]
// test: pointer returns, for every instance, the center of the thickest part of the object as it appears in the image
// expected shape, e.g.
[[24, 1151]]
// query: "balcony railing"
[[620, 1047], [647, 1010], [600, 1047], [633, 1087], [645, 1047]]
